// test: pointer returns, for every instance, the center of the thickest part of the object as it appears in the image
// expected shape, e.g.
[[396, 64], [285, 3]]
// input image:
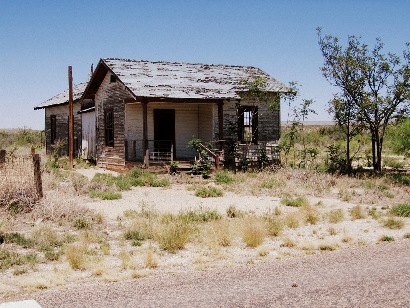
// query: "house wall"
[[111, 95], [88, 142], [268, 120], [61, 113], [190, 120]]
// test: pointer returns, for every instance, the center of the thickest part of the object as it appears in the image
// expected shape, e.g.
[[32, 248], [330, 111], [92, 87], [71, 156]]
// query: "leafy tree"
[[374, 88], [401, 138]]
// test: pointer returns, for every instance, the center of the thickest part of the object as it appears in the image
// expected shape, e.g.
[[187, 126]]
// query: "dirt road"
[[373, 276]]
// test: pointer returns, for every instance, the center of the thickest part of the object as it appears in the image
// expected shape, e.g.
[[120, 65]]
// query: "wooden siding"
[[88, 135], [61, 114], [190, 120], [111, 95]]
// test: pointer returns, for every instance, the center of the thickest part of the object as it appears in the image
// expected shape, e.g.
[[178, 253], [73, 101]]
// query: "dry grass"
[[253, 231], [76, 255], [357, 212]]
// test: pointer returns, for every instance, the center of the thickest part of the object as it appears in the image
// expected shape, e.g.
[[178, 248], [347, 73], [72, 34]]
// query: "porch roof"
[[62, 98], [181, 80]]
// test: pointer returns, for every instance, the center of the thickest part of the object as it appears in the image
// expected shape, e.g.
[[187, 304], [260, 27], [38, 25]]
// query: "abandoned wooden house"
[[56, 121], [149, 111]]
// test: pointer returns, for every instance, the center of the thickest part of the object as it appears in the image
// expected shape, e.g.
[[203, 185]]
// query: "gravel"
[[371, 276]]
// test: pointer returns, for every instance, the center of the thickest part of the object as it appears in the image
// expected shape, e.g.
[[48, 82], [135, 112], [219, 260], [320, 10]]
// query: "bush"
[[401, 210], [105, 195], [295, 202], [393, 223], [386, 238], [76, 256], [173, 235], [335, 216], [357, 212], [223, 177], [210, 192], [253, 232]]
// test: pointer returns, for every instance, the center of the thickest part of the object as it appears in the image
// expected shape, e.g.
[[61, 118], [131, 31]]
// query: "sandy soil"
[[306, 240]]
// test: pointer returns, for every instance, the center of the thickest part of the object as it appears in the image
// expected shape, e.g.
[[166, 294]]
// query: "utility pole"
[[70, 118]]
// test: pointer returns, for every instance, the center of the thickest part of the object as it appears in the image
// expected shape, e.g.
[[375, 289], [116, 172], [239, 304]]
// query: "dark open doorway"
[[164, 130]]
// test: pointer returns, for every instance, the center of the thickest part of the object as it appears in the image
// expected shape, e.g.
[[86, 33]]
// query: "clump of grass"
[[407, 235], [224, 177], [208, 192], [386, 238], [150, 261], [393, 223], [263, 251], [292, 221], [274, 226], [332, 231], [373, 213], [105, 195], [401, 210], [126, 260], [233, 212], [82, 223], [328, 246], [173, 234], [310, 214], [19, 239], [76, 256], [253, 231], [140, 229], [11, 258], [335, 216], [357, 212], [287, 242], [200, 215], [295, 202]]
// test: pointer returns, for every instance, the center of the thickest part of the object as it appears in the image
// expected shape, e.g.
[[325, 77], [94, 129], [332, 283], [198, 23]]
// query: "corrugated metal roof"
[[62, 98], [186, 80]]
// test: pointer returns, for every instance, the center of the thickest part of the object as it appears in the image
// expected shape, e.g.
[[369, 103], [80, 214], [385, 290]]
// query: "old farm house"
[[149, 111]]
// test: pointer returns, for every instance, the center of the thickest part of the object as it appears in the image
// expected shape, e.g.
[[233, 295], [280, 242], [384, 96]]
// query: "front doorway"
[[164, 130]]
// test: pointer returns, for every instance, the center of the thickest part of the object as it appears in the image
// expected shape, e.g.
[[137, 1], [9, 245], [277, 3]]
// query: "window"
[[53, 129], [248, 124], [109, 127]]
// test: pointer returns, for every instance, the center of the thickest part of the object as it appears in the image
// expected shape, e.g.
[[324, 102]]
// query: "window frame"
[[248, 118], [109, 127]]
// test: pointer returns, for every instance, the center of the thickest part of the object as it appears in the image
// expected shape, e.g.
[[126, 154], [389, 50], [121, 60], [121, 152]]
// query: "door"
[[164, 130]]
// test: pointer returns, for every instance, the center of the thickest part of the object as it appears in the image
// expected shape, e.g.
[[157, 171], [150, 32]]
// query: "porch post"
[[145, 132], [221, 123]]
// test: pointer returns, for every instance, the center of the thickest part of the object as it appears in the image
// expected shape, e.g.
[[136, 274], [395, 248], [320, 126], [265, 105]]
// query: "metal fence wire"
[[18, 187]]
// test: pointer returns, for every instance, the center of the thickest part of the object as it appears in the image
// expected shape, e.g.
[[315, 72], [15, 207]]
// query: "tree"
[[342, 69], [374, 88]]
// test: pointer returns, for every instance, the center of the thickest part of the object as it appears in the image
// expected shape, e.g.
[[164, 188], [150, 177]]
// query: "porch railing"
[[158, 150], [255, 153]]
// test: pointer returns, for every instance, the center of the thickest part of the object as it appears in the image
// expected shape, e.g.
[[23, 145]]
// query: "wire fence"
[[20, 180]]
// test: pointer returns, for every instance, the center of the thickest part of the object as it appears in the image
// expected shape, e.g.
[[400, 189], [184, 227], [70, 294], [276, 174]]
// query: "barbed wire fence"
[[20, 181]]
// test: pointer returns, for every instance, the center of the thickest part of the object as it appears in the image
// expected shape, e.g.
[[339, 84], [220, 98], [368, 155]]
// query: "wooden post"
[[145, 133], [221, 122], [2, 157], [70, 118], [37, 175]]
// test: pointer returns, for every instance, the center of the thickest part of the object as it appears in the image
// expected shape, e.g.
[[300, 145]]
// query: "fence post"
[[2, 156], [37, 175]]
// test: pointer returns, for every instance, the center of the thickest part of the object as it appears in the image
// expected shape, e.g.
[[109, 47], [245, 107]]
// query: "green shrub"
[[19, 239], [81, 223], [210, 192], [393, 223], [105, 195], [402, 210], [295, 202], [224, 177], [386, 238]]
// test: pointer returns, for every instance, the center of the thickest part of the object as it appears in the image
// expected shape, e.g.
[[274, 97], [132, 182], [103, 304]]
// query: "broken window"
[[53, 129], [109, 127], [248, 124]]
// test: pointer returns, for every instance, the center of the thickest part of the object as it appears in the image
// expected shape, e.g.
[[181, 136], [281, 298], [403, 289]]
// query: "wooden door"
[[164, 130]]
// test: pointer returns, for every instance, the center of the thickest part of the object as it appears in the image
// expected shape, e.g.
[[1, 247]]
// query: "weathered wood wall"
[[111, 95], [61, 113], [88, 142]]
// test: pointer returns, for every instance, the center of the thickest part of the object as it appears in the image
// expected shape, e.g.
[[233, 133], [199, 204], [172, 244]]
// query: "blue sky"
[[40, 39]]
